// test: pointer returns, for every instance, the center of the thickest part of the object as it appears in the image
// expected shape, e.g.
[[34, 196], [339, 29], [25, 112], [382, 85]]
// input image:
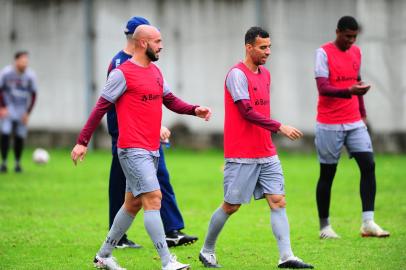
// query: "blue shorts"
[[7, 126], [140, 169], [329, 143], [242, 181]]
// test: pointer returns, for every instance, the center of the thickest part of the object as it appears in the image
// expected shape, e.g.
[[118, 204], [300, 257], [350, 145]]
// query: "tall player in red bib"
[[252, 166], [340, 122], [138, 90]]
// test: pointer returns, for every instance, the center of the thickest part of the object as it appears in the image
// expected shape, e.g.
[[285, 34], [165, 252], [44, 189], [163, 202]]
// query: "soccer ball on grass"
[[40, 156]]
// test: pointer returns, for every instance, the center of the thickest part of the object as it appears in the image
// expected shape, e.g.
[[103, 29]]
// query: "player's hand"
[[78, 152], [203, 112], [290, 132], [24, 119], [359, 89], [165, 133], [3, 112]]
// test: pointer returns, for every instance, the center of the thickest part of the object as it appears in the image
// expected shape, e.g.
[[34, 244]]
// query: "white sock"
[[367, 216]]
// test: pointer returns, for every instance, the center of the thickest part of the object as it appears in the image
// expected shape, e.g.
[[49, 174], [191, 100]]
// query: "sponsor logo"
[[261, 102], [111, 241], [159, 245], [345, 78], [150, 97]]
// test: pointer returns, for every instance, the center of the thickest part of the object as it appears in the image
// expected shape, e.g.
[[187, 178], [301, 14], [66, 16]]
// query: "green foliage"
[[56, 216]]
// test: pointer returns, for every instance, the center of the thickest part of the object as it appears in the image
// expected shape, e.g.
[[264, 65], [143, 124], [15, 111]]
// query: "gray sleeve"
[[167, 89], [115, 86], [33, 79], [237, 84], [321, 64]]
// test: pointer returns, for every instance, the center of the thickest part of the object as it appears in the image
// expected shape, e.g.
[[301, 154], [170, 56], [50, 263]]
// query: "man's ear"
[[143, 43]]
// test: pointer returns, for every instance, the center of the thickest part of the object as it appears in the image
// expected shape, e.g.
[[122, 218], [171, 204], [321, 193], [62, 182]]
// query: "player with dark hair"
[[138, 90], [170, 213], [341, 118], [18, 89], [252, 165], [347, 23]]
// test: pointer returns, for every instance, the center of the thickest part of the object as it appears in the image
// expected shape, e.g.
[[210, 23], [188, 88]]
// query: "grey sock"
[[367, 215], [324, 222], [121, 223], [280, 229], [216, 224], [155, 228]]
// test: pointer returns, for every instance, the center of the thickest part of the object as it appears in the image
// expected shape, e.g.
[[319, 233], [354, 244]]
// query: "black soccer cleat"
[[177, 238], [18, 169], [3, 168], [209, 260], [127, 243], [294, 263]]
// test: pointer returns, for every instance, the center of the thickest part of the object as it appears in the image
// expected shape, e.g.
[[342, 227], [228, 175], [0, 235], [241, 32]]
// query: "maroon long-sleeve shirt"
[[102, 106], [248, 113]]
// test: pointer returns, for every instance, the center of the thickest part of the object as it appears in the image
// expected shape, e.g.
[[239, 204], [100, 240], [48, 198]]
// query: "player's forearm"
[[326, 89], [177, 105], [248, 113], [100, 109], [361, 104], [32, 103]]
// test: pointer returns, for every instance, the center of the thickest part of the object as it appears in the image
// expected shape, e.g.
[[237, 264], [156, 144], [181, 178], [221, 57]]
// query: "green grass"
[[55, 216]]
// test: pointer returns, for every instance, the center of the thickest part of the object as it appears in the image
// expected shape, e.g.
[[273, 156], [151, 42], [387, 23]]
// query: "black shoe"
[[127, 243], [3, 168], [18, 169], [177, 238], [294, 263]]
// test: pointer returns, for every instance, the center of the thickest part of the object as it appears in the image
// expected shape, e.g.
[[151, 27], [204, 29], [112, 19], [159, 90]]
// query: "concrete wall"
[[53, 33], [202, 40]]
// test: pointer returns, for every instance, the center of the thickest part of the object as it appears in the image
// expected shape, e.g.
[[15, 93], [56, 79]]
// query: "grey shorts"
[[8, 125], [330, 142], [242, 181], [140, 168]]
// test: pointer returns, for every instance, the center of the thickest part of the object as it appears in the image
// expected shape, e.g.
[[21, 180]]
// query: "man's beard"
[[151, 55]]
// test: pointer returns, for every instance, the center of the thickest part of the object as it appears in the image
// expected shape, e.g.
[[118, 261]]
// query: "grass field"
[[55, 216]]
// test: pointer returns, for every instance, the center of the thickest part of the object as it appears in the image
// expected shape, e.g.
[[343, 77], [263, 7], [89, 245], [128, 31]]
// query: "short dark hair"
[[347, 23], [255, 32], [19, 54]]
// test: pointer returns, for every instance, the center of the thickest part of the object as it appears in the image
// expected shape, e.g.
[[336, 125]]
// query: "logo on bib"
[[159, 82], [150, 97], [355, 66]]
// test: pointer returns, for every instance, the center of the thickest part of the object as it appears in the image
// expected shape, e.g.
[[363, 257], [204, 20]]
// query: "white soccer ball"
[[40, 156]]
